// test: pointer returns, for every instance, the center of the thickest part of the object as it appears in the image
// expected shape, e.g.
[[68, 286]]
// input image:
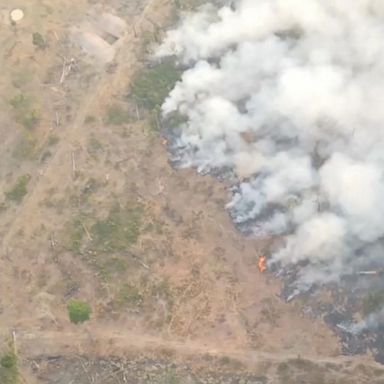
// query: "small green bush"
[[8, 368], [79, 311], [20, 101], [8, 360], [30, 119], [38, 40], [26, 114], [19, 190]]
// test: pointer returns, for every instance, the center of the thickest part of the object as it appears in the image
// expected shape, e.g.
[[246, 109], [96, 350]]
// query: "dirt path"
[[35, 343]]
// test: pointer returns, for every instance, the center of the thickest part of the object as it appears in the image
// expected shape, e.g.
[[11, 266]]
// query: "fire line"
[[262, 264]]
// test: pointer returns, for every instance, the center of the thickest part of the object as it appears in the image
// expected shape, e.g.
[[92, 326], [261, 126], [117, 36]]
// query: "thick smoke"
[[289, 95]]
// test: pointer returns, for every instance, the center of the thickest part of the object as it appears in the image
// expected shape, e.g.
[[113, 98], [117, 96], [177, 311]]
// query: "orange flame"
[[262, 264]]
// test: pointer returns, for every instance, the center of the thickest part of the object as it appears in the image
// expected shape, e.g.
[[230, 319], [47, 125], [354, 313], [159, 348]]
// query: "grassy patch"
[[118, 231], [20, 101], [25, 148], [73, 235], [79, 311], [110, 267], [116, 115], [93, 238], [128, 296], [161, 289], [29, 119], [19, 190], [153, 85], [26, 114]]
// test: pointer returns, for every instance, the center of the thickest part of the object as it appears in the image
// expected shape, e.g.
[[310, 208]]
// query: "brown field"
[[91, 209]]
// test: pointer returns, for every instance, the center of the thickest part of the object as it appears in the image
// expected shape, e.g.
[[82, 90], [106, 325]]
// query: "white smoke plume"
[[289, 95]]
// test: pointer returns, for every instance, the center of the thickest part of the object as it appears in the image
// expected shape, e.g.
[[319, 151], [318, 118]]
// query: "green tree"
[[78, 311]]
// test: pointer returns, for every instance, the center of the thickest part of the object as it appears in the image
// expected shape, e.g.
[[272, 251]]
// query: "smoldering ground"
[[287, 95]]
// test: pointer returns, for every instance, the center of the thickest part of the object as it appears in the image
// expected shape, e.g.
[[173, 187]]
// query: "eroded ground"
[[91, 209]]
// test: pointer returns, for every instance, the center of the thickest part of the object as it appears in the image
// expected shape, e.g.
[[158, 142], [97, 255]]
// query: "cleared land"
[[91, 210]]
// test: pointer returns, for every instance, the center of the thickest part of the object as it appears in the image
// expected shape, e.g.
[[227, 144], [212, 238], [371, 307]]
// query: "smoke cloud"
[[288, 96]]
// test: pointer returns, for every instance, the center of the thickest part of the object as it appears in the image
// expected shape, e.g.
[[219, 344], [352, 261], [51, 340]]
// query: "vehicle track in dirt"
[[35, 343]]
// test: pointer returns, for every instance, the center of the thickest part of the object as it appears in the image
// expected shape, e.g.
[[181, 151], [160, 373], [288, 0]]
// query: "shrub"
[[8, 360], [38, 40], [19, 190], [8, 368], [79, 311], [26, 114]]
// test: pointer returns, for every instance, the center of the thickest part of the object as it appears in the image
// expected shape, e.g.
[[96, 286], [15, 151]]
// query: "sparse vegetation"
[[29, 119], [78, 311], [38, 40], [25, 148], [171, 377], [153, 85], [26, 114], [90, 119], [52, 140], [128, 296], [94, 147], [100, 241], [73, 235], [117, 115], [9, 368], [118, 231], [19, 190], [20, 101], [110, 266]]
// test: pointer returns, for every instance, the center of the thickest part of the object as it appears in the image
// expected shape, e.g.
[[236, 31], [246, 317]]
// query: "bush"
[[79, 311], [8, 360], [19, 190], [38, 40], [26, 114], [8, 368]]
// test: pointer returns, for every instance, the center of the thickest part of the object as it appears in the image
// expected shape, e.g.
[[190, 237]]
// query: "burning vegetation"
[[285, 106]]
